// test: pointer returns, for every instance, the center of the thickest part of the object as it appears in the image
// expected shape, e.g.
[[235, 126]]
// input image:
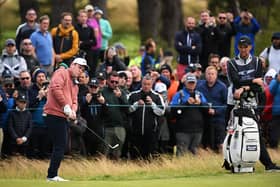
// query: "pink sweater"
[[93, 23], [62, 91]]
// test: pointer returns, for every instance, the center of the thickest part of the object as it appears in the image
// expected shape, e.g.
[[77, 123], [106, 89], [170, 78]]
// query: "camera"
[[95, 95], [144, 96], [45, 84]]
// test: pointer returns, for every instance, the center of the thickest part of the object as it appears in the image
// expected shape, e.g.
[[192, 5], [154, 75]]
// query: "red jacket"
[[62, 91], [267, 112]]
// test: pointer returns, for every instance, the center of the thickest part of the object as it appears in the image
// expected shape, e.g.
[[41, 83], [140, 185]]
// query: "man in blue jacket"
[[215, 92], [274, 88], [188, 106], [245, 24]]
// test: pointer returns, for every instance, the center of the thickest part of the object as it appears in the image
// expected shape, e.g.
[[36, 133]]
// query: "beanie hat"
[[36, 73]]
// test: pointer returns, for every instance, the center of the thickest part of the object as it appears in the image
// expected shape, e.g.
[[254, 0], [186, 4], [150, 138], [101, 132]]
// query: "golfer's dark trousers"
[[57, 131], [264, 156]]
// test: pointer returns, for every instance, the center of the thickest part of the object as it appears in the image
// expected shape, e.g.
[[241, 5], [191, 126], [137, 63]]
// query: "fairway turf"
[[227, 180]]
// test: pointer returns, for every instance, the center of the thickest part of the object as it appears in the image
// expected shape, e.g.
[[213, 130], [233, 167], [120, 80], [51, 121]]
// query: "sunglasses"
[[222, 17], [27, 43], [24, 78], [93, 86], [116, 82], [82, 68], [8, 86]]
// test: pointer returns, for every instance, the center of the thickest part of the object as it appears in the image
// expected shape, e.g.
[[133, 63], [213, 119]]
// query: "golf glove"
[[67, 110]]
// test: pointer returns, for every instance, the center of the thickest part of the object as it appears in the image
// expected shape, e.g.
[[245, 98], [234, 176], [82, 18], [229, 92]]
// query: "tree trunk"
[[25, 5], [263, 13], [59, 6], [148, 16], [235, 7], [171, 19], [102, 4]]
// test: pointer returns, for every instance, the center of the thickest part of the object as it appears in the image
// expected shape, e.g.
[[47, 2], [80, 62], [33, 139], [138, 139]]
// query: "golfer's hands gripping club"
[[69, 112]]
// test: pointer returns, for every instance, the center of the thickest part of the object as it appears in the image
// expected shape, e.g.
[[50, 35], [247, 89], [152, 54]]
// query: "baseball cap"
[[80, 61], [101, 75], [98, 11], [122, 74], [93, 82], [190, 78], [89, 7], [244, 40], [10, 41], [160, 87], [22, 97], [275, 35], [8, 80], [198, 66], [119, 45], [164, 67]]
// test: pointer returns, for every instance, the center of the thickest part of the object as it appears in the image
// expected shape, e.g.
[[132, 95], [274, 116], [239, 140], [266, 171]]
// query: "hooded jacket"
[[14, 63]]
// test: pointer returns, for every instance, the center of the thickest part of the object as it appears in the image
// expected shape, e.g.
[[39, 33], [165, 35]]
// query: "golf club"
[[100, 138]]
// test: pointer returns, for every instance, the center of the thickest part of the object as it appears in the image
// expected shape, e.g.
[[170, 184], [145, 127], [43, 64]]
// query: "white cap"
[[89, 7], [160, 87], [98, 11], [270, 73], [80, 61]]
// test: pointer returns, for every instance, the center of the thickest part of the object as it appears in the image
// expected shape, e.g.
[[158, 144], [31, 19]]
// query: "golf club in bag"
[[241, 146], [102, 139]]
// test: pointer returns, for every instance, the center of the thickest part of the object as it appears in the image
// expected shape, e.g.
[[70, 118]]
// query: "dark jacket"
[[114, 114], [189, 117], [242, 72], [116, 63], [210, 37], [36, 105], [31, 62], [145, 118], [226, 33], [3, 106], [93, 112], [86, 37], [217, 95], [188, 54], [20, 124]]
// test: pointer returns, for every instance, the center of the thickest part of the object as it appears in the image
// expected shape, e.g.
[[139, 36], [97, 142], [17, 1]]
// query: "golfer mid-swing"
[[61, 107]]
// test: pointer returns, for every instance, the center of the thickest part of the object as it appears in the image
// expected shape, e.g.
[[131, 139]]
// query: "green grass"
[[228, 180], [203, 169]]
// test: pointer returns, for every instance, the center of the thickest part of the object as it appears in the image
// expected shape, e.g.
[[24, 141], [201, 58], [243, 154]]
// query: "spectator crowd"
[[146, 104]]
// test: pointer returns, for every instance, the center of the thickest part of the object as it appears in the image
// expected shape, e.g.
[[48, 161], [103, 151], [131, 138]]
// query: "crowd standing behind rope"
[[120, 97]]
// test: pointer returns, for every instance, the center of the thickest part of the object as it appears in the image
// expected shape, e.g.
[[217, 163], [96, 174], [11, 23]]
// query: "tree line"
[[159, 19]]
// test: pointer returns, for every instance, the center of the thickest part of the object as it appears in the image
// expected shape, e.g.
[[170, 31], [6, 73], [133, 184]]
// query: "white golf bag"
[[241, 146]]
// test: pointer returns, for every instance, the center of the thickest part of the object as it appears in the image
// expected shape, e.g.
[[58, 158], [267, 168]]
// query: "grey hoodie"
[[14, 63]]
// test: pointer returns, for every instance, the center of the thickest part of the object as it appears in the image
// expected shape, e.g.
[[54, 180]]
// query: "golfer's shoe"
[[57, 179], [272, 168]]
